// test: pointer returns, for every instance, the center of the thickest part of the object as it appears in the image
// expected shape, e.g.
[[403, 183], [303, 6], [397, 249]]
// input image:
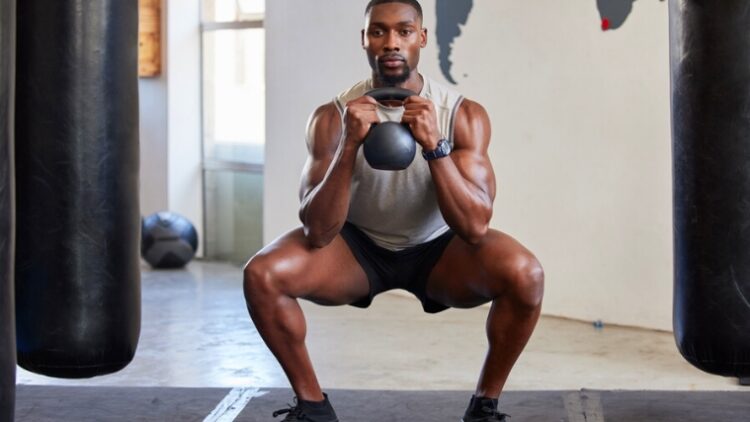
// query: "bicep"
[[313, 173], [322, 138], [471, 140]]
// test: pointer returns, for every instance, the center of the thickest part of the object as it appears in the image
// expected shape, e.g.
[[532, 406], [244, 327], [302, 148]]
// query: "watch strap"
[[443, 150]]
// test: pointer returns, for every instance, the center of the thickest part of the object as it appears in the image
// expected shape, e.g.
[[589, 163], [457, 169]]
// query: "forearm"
[[465, 206], [324, 209]]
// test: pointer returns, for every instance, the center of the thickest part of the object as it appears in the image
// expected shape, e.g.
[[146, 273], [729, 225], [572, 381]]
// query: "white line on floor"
[[574, 407], [584, 406], [233, 403], [592, 406]]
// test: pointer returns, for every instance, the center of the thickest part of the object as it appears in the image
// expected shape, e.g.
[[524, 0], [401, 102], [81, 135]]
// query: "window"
[[233, 68]]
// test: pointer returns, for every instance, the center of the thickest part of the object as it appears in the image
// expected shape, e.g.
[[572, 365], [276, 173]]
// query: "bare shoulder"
[[472, 127], [322, 138], [323, 129]]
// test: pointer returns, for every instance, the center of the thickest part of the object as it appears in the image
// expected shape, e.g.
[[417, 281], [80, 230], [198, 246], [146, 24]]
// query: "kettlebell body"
[[389, 145]]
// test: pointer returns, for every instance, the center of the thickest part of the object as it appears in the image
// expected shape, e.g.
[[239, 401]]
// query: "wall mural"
[[453, 14], [614, 12]]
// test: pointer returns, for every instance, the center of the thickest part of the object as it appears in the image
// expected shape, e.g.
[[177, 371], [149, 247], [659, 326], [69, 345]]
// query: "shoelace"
[[293, 411], [495, 413]]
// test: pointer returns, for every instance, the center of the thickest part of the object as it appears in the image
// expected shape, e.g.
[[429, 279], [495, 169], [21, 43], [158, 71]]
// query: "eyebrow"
[[402, 23]]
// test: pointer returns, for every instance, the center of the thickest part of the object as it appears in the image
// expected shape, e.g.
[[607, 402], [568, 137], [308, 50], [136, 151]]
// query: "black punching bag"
[[78, 222], [710, 65], [7, 317]]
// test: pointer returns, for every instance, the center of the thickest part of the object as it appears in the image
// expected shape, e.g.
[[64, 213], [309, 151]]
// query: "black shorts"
[[406, 269]]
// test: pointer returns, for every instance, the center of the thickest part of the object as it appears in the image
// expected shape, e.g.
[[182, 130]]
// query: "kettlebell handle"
[[389, 145], [390, 93]]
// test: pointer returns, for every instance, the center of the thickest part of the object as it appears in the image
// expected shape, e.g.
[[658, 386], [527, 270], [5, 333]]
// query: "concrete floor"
[[196, 333]]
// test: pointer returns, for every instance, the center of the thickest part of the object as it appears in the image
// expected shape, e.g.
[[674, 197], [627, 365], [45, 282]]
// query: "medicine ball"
[[168, 240]]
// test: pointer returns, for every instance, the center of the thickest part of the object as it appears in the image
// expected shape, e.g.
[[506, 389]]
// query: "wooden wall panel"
[[149, 38]]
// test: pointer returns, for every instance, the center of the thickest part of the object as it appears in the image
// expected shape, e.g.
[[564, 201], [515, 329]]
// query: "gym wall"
[[170, 120], [581, 140], [153, 133]]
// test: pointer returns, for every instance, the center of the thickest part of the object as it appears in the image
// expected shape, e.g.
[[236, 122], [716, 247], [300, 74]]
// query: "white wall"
[[184, 138], [580, 146], [170, 113], [152, 94], [153, 143]]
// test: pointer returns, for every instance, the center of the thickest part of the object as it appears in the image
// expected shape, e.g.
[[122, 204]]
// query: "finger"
[[412, 123], [417, 106], [368, 116], [365, 120], [362, 101], [369, 100], [412, 100], [414, 115], [357, 109], [412, 119], [365, 108], [363, 104]]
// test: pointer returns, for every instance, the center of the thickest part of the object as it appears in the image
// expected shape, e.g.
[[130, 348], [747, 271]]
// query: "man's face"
[[392, 37]]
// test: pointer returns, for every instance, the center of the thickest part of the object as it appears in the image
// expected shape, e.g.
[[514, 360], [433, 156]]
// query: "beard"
[[392, 80]]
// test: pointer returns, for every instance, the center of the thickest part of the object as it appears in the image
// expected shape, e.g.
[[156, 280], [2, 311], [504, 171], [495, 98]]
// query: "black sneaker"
[[308, 411], [483, 409]]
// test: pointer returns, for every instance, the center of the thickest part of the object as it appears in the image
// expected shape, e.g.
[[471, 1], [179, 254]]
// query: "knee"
[[261, 280], [526, 281]]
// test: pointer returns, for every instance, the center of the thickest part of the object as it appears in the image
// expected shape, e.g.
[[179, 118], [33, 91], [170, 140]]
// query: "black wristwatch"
[[443, 150]]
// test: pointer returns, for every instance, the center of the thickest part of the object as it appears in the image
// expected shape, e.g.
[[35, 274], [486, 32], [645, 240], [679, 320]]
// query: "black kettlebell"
[[389, 145]]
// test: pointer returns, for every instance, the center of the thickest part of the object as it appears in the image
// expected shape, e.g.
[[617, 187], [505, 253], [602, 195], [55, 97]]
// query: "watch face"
[[443, 149]]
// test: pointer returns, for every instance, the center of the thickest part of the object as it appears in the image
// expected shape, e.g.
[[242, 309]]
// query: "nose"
[[392, 41]]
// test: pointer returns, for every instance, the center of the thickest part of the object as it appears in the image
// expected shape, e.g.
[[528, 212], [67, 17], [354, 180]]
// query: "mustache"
[[391, 57]]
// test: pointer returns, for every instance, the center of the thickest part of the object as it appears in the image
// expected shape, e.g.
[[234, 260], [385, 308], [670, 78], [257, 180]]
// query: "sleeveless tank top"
[[399, 209]]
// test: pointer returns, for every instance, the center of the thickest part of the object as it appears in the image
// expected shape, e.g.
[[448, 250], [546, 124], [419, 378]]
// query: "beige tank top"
[[399, 209]]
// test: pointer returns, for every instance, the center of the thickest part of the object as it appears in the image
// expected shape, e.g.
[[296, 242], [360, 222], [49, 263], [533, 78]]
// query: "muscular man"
[[423, 229]]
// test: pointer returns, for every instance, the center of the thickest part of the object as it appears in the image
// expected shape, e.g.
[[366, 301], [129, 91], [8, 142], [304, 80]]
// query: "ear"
[[362, 40], [423, 38]]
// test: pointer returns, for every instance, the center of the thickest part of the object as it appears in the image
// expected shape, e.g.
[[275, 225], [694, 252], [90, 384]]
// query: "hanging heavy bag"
[[7, 317], [77, 262], [710, 62]]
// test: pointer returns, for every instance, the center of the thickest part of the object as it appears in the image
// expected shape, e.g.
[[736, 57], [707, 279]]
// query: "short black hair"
[[413, 3]]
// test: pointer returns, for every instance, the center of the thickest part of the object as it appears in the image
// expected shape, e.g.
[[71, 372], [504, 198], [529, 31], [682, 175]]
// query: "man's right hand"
[[359, 115]]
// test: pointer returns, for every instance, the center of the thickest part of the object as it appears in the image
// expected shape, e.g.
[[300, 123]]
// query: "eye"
[[376, 32], [406, 32]]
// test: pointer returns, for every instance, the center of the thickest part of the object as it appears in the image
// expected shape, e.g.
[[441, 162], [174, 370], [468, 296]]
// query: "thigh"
[[469, 275], [329, 275]]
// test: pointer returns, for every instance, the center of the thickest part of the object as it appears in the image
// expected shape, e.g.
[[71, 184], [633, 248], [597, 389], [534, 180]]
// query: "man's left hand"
[[420, 116]]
